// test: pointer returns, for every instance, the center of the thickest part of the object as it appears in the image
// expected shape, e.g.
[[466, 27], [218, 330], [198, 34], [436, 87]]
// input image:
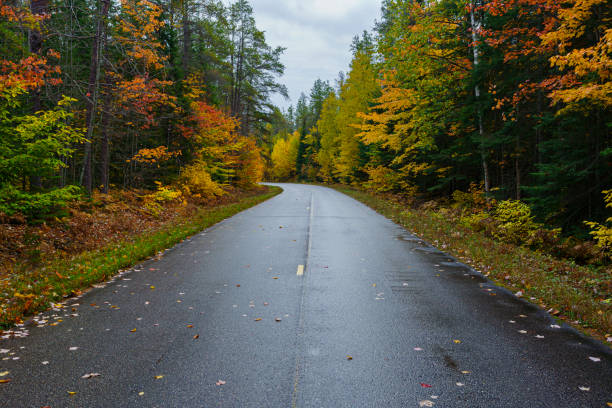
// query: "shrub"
[[196, 181], [515, 222], [602, 234], [153, 202], [36, 206]]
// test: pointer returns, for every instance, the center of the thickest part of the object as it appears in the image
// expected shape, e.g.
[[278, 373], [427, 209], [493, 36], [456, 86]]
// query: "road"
[[310, 299]]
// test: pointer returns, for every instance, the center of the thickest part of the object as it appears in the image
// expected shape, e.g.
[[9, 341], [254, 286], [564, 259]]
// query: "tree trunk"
[[483, 148], [92, 95], [186, 38], [37, 7]]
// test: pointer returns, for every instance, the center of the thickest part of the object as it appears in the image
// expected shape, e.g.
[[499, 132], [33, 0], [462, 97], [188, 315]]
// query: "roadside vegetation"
[[569, 278], [64, 258]]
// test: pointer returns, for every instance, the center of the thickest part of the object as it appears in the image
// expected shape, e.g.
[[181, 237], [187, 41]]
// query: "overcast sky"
[[317, 35]]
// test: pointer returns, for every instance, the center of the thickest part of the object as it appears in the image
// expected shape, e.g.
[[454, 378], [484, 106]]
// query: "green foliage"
[[35, 146], [36, 206]]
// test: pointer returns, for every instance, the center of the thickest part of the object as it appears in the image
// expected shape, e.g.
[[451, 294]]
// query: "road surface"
[[307, 300]]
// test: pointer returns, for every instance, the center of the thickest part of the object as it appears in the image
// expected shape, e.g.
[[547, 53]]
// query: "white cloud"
[[317, 35]]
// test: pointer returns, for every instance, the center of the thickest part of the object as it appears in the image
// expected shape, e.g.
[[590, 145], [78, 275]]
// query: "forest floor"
[[580, 295], [45, 263]]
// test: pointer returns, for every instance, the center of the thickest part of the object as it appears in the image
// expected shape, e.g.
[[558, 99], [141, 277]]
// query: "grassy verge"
[[27, 291], [571, 292]]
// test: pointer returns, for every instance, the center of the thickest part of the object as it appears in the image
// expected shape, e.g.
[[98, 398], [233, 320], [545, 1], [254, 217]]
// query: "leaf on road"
[[349, 357], [595, 359], [197, 336], [418, 349], [539, 336], [584, 388], [133, 330], [555, 326], [425, 385], [275, 277], [465, 372], [266, 304], [278, 319], [152, 287], [141, 393], [426, 403], [457, 341], [523, 331], [460, 384], [4, 351], [73, 348], [91, 375], [4, 373], [5, 380], [220, 382], [258, 319], [512, 321], [237, 286], [159, 377], [71, 392], [190, 326], [45, 363]]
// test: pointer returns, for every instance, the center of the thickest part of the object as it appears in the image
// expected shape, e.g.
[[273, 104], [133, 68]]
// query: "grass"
[[29, 290], [579, 295]]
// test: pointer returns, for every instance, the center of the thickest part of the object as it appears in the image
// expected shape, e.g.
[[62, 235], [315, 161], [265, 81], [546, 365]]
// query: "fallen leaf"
[[457, 341], [159, 377], [71, 392], [141, 393], [276, 277], [425, 385], [609, 404], [189, 326], [4, 381], [152, 287], [73, 348], [349, 357], [465, 372], [45, 363], [373, 285], [555, 326], [278, 319], [133, 330], [426, 403], [258, 319], [523, 331], [91, 375], [4, 373], [197, 336], [237, 286], [460, 384], [595, 359], [539, 336], [584, 388], [220, 382], [418, 349]]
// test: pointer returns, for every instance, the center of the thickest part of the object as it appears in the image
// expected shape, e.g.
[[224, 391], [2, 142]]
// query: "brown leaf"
[[5, 380], [197, 336], [258, 319], [220, 382], [349, 357]]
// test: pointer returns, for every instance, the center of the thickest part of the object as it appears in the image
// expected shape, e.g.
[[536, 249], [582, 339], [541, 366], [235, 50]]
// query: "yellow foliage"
[[603, 233], [284, 157], [196, 181], [153, 202]]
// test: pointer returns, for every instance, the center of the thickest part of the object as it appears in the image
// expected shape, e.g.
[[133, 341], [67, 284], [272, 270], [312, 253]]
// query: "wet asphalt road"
[[421, 328]]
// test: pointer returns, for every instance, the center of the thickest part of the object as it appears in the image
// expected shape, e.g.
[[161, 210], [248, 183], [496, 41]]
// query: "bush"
[[36, 206], [515, 222], [197, 182], [602, 234], [153, 202]]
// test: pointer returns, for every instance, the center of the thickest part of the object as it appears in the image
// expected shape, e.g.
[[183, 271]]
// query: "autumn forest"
[[116, 117]]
